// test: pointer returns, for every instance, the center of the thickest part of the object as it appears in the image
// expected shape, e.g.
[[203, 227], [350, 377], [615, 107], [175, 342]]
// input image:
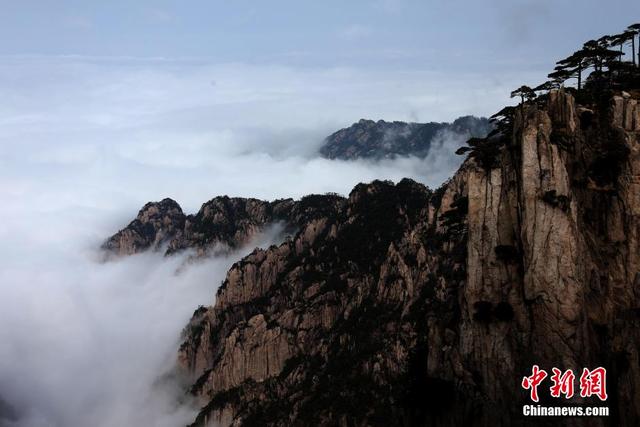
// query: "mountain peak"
[[436, 302], [382, 139], [155, 224]]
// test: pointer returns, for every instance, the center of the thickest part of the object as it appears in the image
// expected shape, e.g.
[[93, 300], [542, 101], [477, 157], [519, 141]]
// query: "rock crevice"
[[434, 304]]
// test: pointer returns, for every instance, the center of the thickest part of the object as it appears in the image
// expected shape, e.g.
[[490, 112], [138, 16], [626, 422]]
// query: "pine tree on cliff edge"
[[525, 93], [635, 30]]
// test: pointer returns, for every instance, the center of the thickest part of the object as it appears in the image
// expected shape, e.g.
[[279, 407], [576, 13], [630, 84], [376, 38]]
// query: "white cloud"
[[90, 344], [85, 142]]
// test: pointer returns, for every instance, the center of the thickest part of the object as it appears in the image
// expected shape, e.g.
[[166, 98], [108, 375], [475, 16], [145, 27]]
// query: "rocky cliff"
[[370, 139], [407, 306], [222, 223]]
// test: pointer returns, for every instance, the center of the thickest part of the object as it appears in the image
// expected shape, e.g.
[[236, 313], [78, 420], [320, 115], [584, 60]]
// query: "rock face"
[[406, 306], [369, 139], [156, 224], [221, 223]]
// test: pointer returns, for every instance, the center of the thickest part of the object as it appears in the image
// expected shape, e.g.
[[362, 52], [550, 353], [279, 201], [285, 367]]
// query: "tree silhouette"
[[594, 53], [571, 67], [547, 86], [620, 40], [602, 62], [486, 150], [525, 93], [609, 72], [503, 119], [634, 29], [598, 53], [628, 37], [560, 75]]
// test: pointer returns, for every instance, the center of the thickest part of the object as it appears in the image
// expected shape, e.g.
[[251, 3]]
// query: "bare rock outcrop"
[[156, 224], [221, 223], [380, 139], [407, 306]]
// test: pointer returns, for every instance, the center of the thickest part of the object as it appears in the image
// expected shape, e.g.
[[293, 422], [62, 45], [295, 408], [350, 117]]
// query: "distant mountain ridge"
[[381, 139], [222, 223], [431, 303], [400, 305]]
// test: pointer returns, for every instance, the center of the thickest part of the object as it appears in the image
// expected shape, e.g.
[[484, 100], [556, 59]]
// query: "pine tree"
[[570, 67], [525, 93], [634, 29]]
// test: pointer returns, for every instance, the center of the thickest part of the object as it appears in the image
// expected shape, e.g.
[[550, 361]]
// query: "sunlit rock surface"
[[407, 306]]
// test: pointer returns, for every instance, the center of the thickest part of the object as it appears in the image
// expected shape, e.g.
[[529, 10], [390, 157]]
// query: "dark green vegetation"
[[601, 61]]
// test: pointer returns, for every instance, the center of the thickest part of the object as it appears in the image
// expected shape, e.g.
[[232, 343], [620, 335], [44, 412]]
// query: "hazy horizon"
[[108, 106]]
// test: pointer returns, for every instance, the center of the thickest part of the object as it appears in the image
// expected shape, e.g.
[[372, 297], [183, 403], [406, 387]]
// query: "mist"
[[84, 143], [88, 343]]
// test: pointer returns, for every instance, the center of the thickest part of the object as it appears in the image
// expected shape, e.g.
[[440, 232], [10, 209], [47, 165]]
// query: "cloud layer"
[[88, 344], [84, 142]]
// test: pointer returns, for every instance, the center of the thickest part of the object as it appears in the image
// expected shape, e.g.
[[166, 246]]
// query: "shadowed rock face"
[[157, 223], [406, 306], [229, 222], [369, 139], [333, 310], [223, 222]]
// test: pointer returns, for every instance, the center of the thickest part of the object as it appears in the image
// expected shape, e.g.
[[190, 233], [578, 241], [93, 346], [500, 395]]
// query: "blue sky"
[[439, 34]]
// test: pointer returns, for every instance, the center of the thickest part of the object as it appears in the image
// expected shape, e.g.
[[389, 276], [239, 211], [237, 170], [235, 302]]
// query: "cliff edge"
[[407, 306]]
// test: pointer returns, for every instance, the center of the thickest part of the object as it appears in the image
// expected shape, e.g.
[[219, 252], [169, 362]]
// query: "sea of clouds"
[[85, 142]]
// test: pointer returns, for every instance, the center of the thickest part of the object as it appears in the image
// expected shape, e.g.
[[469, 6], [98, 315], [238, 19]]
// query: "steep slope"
[[369, 139], [405, 306], [221, 223], [323, 312], [157, 223]]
